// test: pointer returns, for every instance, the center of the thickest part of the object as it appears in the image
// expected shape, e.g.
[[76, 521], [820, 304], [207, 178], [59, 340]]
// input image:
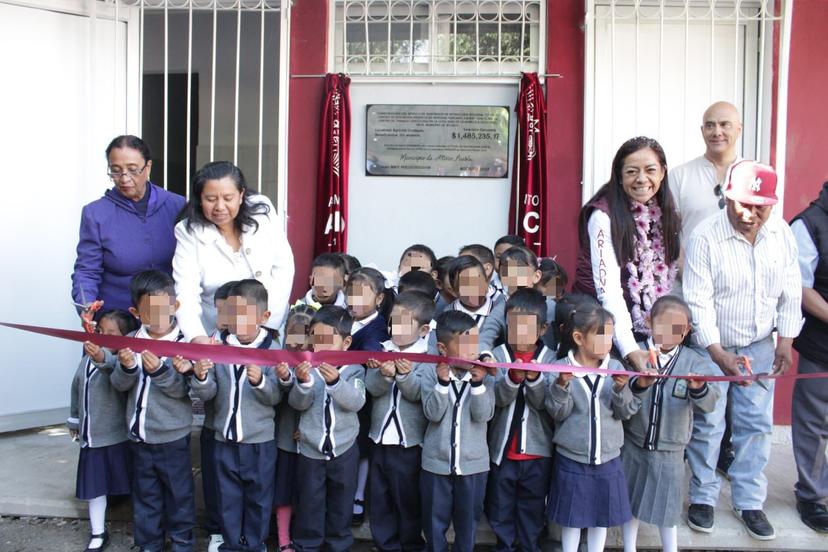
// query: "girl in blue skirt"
[[96, 420], [588, 488]]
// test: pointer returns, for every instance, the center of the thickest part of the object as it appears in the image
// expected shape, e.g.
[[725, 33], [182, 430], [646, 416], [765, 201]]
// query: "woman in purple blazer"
[[128, 230]]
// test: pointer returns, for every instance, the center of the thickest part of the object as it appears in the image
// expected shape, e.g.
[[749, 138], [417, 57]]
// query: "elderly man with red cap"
[[742, 282]]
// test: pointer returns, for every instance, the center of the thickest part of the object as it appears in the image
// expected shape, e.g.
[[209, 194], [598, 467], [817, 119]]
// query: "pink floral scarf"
[[650, 274]]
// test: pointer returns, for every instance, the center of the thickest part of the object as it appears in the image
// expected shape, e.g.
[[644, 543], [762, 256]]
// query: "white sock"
[[630, 535], [669, 538], [596, 538], [570, 539], [97, 515], [362, 479]]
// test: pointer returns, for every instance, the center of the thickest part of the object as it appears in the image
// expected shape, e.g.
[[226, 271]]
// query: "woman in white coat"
[[226, 233]]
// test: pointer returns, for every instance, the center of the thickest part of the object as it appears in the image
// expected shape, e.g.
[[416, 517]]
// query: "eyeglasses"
[[132, 173], [718, 191]]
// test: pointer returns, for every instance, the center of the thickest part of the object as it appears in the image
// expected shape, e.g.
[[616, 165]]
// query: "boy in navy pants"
[[159, 416], [327, 399], [520, 436], [243, 398], [397, 428], [458, 404]]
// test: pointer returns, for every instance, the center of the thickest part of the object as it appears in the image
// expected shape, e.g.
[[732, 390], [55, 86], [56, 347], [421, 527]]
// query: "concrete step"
[[38, 467]]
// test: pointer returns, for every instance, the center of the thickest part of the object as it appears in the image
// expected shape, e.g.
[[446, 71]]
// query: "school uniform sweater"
[[665, 419], [369, 334], [588, 414], [520, 410], [397, 414], [243, 412], [458, 414], [159, 409], [96, 408], [328, 422]]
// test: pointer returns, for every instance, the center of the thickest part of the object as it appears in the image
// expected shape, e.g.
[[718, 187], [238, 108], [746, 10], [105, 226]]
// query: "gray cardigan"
[[397, 400], [457, 414], [254, 415], [535, 423], [587, 431], [671, 417], [96, 408], [167, 413], [342, 401]]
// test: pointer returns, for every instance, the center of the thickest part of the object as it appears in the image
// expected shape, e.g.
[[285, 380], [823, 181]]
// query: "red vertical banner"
[[527, 208], [332, 185]]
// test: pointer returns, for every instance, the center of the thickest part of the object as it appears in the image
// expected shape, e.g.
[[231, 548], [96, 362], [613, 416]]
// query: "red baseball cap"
[[751, 183]]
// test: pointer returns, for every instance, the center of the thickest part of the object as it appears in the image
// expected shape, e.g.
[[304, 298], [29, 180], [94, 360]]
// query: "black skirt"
[[582, 495], [104, 471]]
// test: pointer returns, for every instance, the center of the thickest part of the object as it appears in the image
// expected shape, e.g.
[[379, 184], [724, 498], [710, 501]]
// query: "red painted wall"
[[565, 124], [308, 56], [806, 165]]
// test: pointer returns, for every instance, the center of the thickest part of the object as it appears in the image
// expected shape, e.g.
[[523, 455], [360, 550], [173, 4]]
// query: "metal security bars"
[[219, 66], [438, 38], [653, 66]]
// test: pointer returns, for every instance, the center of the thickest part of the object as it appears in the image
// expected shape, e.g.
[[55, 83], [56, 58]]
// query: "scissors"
[[746, 363], [88, 313]]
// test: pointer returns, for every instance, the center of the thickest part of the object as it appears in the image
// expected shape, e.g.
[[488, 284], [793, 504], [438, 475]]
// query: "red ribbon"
[[228, 354]]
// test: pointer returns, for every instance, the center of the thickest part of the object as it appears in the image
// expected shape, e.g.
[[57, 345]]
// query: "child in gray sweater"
[[243, 397], [520, 435], [96, 419], [657, 434], [328, 399], [159, 417], [398, 426], [458, 403], [588, 488]]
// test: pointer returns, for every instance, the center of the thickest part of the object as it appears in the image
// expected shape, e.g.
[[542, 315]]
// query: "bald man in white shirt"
[[697, 185]]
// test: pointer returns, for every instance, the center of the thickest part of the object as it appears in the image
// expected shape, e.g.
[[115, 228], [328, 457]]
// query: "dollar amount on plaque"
[[489, 136]]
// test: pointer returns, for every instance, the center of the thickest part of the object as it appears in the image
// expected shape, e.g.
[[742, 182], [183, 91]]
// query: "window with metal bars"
[[438, 37]]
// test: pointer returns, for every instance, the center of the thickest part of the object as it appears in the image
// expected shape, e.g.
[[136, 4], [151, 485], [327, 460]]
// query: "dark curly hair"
[[193, 213]]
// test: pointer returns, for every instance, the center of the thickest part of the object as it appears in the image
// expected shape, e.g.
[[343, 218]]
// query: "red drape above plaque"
[[332, 185], [527, 208]]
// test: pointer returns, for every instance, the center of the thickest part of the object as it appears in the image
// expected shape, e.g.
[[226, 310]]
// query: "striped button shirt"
[[739, 292]]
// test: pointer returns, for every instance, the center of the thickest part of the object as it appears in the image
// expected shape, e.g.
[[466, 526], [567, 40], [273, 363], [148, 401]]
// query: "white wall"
[[387, 214], [58, 113], [627, 98]]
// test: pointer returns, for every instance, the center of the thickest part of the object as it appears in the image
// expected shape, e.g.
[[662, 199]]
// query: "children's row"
[[446, 441]]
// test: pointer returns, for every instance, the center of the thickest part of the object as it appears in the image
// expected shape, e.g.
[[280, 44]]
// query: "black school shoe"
[[104, 542], [358, 519], [756, 523], [700, 518], [814, 515]]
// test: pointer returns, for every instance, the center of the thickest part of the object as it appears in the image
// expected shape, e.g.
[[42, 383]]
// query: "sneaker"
[[700, 517], [756, 523], [814, 515], [101, 541], [216, 540]]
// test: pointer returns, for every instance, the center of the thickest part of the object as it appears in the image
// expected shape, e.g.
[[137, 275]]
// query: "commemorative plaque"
[[437, 140]]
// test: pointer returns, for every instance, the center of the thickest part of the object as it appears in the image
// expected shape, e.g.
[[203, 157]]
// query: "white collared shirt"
[[339, 302], [479, 315], [739, 292], [359, 324]]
